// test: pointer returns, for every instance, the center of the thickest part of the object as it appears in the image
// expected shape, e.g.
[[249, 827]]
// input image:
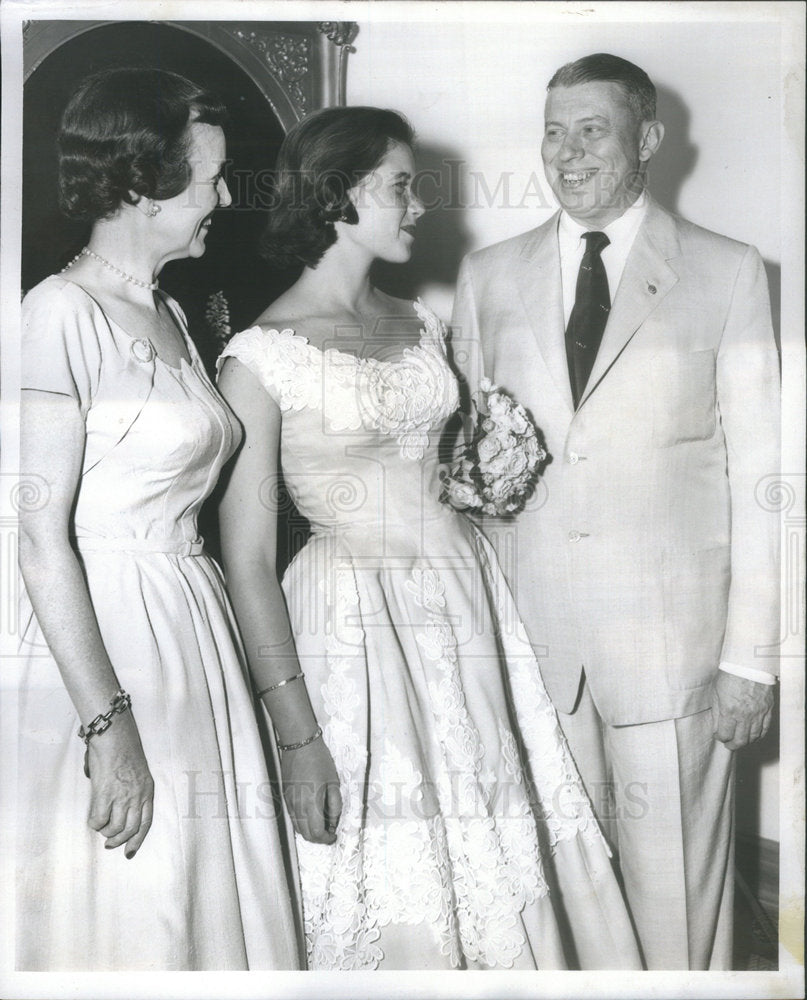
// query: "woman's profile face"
[[184, 220], [387, 208]]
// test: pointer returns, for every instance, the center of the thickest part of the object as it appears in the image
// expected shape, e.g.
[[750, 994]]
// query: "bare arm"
[[52, 445], [248, 522]]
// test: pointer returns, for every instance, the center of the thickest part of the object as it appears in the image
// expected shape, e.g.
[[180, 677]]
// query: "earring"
[[153, 210]]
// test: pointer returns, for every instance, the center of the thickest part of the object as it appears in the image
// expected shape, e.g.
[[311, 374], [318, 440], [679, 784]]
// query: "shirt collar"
[[620, 232]]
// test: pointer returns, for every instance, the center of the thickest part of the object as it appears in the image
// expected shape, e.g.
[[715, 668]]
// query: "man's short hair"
[[636, 84]]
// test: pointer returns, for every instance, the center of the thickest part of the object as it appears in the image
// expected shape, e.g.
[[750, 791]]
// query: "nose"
[[415, 207], [225, 198], [570, 147]]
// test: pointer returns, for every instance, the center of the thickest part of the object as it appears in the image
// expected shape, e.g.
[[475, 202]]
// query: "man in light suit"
[[647, 579]]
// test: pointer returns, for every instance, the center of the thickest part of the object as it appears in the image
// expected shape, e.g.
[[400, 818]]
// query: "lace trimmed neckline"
[[402, 398], [431, 333]]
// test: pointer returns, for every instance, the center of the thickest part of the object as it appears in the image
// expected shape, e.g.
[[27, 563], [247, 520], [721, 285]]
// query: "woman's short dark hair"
[[320, 160], [636, 84], [126, 130]]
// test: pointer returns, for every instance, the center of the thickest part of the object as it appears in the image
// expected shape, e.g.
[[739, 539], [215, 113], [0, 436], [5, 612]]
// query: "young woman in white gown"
[[441, 823], [123, 437]]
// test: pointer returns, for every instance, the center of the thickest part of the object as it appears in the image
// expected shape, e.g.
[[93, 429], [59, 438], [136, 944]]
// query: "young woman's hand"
[[311, 791]]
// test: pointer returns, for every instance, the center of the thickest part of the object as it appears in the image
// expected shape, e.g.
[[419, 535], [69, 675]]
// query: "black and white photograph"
[[402, 499]]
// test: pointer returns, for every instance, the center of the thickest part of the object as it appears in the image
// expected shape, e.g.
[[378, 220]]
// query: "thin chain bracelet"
[[280, 684], [121, 702], [302, 743]]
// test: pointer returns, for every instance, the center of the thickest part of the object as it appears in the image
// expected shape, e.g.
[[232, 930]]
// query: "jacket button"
[[574, 536], [574, 458]]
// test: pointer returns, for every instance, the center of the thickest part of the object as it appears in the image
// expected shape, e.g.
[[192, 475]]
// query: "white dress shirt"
[[621, 234]]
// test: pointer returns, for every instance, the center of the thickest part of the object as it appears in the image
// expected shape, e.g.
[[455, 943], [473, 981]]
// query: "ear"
[[349, 213], [139, 202], [652, 134]]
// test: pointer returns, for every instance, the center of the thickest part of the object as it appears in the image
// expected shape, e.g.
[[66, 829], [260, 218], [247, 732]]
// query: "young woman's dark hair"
[[124, 134], [320, 160]]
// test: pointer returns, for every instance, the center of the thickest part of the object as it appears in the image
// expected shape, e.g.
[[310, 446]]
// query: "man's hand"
[[741, 710]]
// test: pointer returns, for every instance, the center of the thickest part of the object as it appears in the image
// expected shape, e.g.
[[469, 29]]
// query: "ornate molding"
[[288, 57], [298, 66], [341, 33]]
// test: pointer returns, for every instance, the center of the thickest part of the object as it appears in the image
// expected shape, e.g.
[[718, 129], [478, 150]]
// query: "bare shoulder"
[[291, 309], [400, 307], [292, 313], [397, 320]]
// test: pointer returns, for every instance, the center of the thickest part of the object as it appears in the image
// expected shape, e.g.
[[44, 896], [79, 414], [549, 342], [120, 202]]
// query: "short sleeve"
[[285, 364], [60, 349]]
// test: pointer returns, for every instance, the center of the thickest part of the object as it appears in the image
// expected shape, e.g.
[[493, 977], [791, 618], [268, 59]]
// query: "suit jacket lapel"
[[647, 278], [539, 284]]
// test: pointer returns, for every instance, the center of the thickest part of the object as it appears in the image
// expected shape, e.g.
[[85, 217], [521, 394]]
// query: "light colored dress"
[[428, 692], [207, 889]]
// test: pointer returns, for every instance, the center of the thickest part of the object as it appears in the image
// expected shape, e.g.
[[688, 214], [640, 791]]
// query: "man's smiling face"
[[593, 150]]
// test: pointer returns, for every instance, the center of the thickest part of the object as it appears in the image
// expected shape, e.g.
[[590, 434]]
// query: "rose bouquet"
[[497, 471]]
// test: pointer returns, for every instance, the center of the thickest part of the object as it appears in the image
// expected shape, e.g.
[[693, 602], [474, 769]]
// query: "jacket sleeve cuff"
[[749, 673]]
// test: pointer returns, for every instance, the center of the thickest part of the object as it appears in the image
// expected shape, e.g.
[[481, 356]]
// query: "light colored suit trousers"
[[647, 556]]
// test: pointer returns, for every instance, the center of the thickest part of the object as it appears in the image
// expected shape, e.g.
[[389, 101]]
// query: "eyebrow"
[[401, 175], [590, 118]]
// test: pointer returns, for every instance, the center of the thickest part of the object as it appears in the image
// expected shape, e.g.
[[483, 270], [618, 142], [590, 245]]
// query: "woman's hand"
[[122, 787], [311, 791]]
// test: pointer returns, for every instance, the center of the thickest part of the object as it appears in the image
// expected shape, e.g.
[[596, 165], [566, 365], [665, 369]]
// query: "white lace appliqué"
[[491, 834], [405, 854], [387, 868], [558, 796], [402, 399]]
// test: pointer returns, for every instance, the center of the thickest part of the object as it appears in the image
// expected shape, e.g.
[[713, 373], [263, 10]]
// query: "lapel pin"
[[652, 289]]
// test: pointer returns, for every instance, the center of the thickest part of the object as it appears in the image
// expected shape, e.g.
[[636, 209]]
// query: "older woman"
[[167, 854], [462, 836]]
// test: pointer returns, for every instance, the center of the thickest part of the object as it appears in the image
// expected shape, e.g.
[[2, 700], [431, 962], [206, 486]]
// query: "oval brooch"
[[143, 351]]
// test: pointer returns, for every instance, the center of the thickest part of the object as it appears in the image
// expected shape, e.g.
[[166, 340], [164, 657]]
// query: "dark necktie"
[[592, 303]]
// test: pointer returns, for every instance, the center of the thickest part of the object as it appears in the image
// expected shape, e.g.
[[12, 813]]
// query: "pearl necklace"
[[86, 252]]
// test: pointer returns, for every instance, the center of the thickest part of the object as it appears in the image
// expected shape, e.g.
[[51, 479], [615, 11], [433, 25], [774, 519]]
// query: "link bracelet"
[[121, 702]]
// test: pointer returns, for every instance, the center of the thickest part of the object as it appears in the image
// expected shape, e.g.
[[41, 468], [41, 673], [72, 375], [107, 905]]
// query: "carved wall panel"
[[298, 66]]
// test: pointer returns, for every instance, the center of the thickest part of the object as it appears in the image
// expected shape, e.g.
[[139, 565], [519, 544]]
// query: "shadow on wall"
[[678, 155], [774, 273], [673, 166], [442, 239]]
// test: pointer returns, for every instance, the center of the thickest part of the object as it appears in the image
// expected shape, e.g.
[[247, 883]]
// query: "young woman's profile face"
[[387, 207]]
